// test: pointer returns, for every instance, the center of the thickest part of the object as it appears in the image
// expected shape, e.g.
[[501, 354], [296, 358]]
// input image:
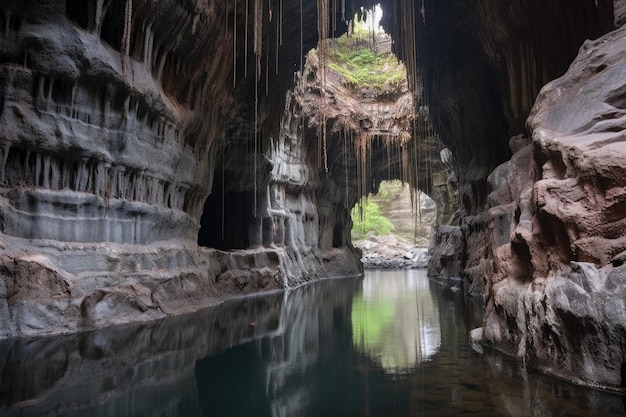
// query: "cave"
[[158, 157], [231, 232]]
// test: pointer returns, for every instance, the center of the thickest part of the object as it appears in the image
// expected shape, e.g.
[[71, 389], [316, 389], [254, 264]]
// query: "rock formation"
[[483, 64], [555, 291], [114, 116]]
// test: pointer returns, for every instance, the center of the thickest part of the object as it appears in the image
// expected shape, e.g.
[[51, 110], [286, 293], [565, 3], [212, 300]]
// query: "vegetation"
[[362, 66], [367, 217]]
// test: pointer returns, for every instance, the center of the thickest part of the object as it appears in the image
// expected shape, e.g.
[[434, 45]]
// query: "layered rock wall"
[[115, 117], [91, 104]]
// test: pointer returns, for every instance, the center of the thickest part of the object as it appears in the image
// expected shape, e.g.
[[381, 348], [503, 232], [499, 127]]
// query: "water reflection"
[[395, 320], [391, 344]]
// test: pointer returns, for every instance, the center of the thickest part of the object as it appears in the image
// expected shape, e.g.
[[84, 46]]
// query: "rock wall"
[[555, 291], [543, 232], [116, 117], [483, 64], [91, 103]]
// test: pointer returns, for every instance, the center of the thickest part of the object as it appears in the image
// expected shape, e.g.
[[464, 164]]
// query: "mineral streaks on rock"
[[107, 116], [554, 291]]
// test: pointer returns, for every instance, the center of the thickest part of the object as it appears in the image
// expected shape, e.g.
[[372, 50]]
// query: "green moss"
[[362, 67]]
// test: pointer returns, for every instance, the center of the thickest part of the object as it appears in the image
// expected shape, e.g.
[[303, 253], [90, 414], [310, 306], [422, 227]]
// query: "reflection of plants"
[[369, 319], [367, 217]]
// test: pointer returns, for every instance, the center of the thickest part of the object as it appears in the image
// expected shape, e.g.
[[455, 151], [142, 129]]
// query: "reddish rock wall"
[[555, 293]]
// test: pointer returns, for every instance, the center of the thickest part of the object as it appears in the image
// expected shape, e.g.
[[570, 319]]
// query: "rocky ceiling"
[[477, 65]]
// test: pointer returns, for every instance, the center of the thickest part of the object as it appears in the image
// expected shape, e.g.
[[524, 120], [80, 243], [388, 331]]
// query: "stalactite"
[[7, 22], [278, 33], [258, 50], [334, 18], [301, 38], [267, 62], [256, 139], [345, 164], [128, 18], [223, 192], [322, 29]]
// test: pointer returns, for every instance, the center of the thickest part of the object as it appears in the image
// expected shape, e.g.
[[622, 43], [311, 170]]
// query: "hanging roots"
[[258, 35]]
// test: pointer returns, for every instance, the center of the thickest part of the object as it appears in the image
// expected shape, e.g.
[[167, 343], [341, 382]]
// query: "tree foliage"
[[367, 217]]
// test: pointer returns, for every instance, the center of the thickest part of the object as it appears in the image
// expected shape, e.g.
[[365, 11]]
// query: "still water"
[[388, 344]]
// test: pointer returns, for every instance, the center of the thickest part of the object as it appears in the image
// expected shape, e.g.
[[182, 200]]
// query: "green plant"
[[362, 67], [367, 217]]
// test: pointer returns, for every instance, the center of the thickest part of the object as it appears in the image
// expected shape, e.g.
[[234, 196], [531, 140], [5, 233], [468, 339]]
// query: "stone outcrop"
[[555, 288], [101, 137]]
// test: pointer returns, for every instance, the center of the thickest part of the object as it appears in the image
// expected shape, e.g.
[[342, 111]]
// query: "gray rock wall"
[[96, 141], [112, 117]]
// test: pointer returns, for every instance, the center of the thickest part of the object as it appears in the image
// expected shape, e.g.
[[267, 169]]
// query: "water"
[[389, 344]]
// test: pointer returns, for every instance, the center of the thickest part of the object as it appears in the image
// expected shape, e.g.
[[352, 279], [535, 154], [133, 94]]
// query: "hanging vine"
[[235, 44], [322, 30], [245, 55], [258, 36]]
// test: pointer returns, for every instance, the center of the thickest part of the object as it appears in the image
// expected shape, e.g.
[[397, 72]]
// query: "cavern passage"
[[158, 156]]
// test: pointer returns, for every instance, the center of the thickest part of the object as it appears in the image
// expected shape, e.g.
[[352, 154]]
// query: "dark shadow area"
[[233, 383], [226, 217], [81, 12], [113, 25]]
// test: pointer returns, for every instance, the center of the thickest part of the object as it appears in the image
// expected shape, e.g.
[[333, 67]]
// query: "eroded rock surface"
[[555, 292], [112, 118]]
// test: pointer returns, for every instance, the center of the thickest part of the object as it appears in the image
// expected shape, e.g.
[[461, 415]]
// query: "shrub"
[[367, 217]]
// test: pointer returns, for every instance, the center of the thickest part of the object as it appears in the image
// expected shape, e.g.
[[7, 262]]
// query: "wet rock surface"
[[69, 287]]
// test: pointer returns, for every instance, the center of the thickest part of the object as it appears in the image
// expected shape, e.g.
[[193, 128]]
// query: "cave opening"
[[395, 210], [226, 218]]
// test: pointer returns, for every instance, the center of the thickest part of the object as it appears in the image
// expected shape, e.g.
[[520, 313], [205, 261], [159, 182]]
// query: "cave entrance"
[[390, 223], [226, 218]]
